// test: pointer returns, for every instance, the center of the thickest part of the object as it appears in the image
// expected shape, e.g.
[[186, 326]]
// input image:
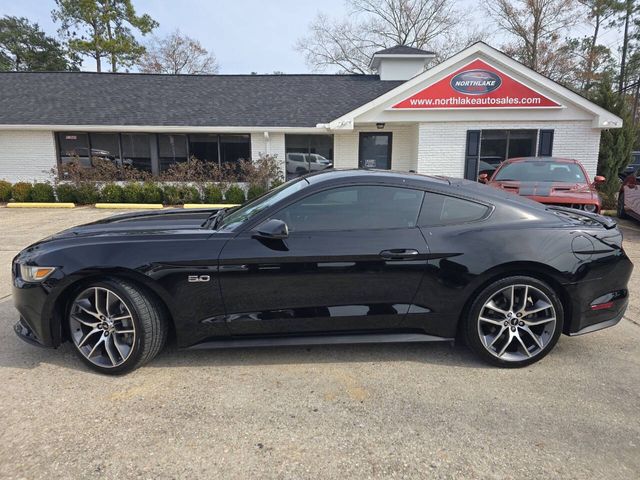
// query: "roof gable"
[[524, 80]]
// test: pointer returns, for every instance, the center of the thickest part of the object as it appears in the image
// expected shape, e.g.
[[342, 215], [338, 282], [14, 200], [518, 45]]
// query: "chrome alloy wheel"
[[102, 327], [517, 322]]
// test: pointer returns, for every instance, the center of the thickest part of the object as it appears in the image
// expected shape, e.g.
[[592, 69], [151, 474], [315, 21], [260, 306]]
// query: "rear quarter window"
[[438, 209]]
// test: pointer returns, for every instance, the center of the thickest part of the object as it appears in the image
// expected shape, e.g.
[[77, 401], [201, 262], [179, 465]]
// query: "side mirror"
[[483, 178], [598, 179], [273, 229]]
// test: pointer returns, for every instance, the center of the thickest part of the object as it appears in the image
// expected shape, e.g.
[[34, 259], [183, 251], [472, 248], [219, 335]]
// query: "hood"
[[149, 223], [576, 191]]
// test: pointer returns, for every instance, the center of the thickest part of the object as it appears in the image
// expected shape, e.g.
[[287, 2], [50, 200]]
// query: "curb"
[[40, 205], [137, 206], [209, 205]]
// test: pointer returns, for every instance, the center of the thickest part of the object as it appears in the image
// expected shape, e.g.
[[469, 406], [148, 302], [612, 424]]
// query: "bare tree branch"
[[177, 54]]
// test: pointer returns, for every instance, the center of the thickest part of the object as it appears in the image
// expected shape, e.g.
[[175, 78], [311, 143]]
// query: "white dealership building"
[[454, 118]]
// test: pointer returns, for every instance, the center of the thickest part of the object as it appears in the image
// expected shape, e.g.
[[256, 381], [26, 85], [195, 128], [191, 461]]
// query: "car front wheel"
[[115, 327], [514, 322]]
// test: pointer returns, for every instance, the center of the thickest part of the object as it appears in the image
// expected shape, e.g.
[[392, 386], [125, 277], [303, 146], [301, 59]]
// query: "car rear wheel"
[[115, 327], [620, 210], [514, 322]]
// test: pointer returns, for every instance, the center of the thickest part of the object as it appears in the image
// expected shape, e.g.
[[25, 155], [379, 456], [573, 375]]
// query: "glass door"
[[375, 150]]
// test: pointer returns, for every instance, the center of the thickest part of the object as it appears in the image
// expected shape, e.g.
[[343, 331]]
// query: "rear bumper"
[[584, 318]]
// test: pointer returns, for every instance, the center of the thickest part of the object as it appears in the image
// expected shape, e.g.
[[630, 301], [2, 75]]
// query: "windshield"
[[537, 171], [256, 206]]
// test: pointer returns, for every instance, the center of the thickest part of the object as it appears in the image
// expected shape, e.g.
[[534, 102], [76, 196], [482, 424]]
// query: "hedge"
[[85, 193]]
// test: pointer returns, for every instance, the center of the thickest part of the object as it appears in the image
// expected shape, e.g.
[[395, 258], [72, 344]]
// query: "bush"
[[151, 193], [234, 194], [133, 193], [66, 193], [212, 193], [87, 193], [5, 191], [21, 192], [178, 195], [42, 192], [255, 191], [111, 193]]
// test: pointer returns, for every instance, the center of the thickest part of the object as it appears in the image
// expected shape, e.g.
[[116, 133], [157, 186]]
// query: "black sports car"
[[335, 257]]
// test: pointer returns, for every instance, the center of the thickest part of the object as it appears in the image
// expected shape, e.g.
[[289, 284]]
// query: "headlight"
[[589, 208], [35, 274]]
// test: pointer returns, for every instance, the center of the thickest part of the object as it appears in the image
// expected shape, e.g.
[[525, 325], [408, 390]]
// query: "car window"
[[440, 209], [356, 207], [538, 171]]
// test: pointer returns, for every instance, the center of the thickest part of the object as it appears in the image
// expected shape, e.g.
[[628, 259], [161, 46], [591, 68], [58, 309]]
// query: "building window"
[[307, 153], [136, 150], [74, 147], [172, 149], [106, 146]]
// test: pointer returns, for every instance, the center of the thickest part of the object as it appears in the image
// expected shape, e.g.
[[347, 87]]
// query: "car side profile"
[[629, 196], [333, 257], [548, 180]]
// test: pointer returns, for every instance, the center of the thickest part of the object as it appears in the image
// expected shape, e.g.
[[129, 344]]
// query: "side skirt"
[[320, 340]]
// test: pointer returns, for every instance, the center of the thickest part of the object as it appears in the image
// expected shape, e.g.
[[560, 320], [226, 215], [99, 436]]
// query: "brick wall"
[[404, 146], [273, 146], [26, 155], [441, 146]]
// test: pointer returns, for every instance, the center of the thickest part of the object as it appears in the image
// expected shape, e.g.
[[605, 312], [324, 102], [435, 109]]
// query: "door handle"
[[399, 253]]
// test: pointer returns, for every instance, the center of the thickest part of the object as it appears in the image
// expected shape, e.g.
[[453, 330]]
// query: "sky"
[[245, 35]]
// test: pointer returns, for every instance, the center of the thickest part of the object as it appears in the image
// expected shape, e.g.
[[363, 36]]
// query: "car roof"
[[541, 159], [445, 185]]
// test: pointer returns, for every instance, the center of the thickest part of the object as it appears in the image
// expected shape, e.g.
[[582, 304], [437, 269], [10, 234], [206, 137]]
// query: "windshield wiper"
[[214, 219]]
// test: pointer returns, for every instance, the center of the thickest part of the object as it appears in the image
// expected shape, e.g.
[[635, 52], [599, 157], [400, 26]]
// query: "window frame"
[[269, 215]]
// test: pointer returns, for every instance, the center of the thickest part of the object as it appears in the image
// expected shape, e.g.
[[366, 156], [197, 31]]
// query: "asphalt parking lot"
[[364, 411]]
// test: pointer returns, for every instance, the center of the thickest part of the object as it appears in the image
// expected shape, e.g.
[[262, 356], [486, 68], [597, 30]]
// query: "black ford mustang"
[[336, 257]]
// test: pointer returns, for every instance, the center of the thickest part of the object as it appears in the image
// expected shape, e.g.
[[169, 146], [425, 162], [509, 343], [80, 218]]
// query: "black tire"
[[620, 210], [472, 328], [149, 319]]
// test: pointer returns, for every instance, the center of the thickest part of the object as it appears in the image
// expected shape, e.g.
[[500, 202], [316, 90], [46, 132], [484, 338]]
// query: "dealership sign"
[[476, 85]]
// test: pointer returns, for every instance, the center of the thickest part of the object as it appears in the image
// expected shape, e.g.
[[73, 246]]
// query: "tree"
[[176, 54], [349, 44], [537, 28], [627, 9], [104, 29], [24, 47], [615, 144]]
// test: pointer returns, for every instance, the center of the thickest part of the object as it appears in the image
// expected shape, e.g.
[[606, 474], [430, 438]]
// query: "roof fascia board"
[[162, 129]]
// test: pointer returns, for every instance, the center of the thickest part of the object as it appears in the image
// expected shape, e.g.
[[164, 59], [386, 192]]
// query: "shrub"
[[255, 191], [21, 192], [133, 193], [234, 194], [212, 193], [111, 193], [151, 193], [178, 195], [42, 192], [66, 192], [276, 184], [5, 191], [87, 193]]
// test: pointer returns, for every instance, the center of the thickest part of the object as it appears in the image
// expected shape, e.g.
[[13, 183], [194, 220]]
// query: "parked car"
[[548, 180], [81, 155], [629, 196], [302, 163], [632, 167], [334, 257]]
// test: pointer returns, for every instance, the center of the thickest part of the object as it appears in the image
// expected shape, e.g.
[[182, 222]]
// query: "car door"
[[352, 262]]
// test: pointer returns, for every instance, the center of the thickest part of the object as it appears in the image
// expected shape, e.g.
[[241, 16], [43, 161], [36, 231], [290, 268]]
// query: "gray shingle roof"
[[67, 98], [403, 50]]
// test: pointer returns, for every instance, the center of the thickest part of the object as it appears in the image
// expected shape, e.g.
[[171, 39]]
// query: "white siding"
[[441, 145], [274, 145], [404, 146], [26, 155]]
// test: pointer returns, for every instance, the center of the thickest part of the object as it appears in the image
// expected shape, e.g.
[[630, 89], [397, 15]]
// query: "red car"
[[629, 197], [554, 181]]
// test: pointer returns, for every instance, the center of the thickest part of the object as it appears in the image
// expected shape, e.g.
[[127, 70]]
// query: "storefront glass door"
[[375, 150]]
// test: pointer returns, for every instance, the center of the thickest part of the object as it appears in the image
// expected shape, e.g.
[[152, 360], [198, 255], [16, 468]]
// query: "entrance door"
[[375, 150]]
